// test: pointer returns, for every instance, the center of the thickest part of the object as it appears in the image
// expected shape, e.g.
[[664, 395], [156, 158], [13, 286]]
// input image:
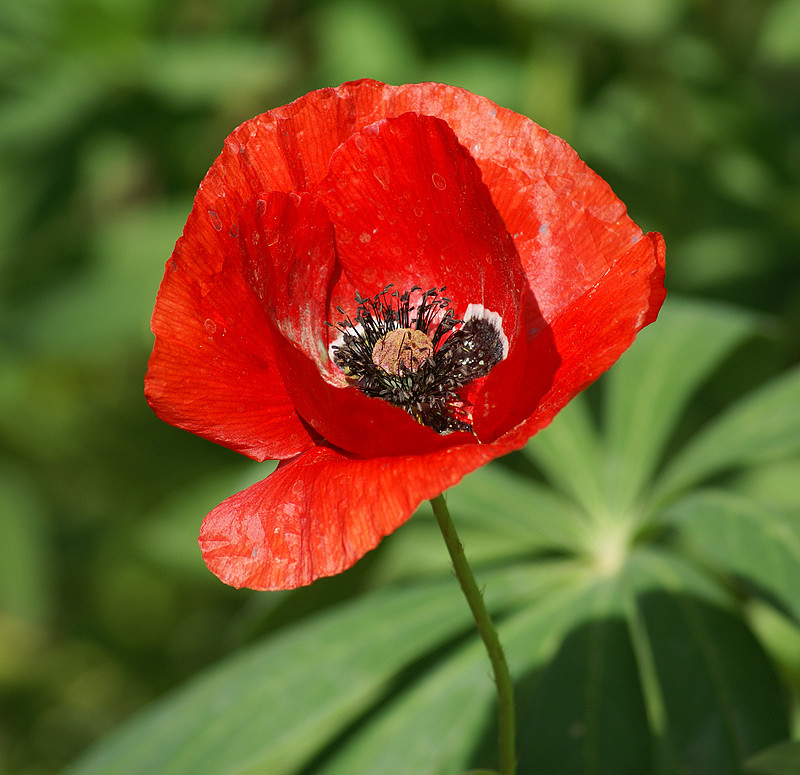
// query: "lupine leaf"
[[745, 538], [652, 382], [270, 707], [781, 759], [451, 707], [500, 516], [709, 712], [570, 454], [762, 425]]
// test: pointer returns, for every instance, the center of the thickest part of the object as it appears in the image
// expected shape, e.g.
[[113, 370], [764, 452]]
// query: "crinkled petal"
[[320, 512], [212, 370], [409, 209], [288, 243], [592, 332], [566, 222]]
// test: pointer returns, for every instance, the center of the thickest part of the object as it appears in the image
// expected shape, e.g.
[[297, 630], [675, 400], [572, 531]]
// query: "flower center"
[[410, 350]]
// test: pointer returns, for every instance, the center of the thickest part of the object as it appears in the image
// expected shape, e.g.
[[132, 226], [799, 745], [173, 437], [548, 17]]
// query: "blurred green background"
[[111, 111]]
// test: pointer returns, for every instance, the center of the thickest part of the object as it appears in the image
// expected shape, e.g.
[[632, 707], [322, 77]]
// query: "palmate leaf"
[[502, 517], [433, 728], [570, 454], [652, 382], [782, 759], [651, 682], [763, 425], [645, 394], [744, 538], [629, 658], [719, 698], [269, 708]]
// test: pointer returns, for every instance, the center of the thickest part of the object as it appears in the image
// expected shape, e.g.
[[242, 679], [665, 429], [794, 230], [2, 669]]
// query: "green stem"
[[502, 676]]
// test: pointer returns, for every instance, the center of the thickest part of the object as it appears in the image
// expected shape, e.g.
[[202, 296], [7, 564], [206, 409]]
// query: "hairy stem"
[[502, 676]]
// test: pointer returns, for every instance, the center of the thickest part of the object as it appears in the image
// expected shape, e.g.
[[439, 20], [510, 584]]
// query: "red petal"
[[289, 253], [212, 370], [591, 333], [409, 208], [566, 222], [288, 249], [321, 511], [317, 514]]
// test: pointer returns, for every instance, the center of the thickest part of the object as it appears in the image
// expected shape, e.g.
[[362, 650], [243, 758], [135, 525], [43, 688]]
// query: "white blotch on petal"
[[478, 311]]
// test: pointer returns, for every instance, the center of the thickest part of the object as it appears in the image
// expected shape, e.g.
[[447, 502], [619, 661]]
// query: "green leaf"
[[430, 728], [51, 105], [268, 709], [217, 71], [446, 710], [575, 712], [24, 560], [569, 453], [622, 18], [500, 516], [650, 385], [781, 759], [762, 426], [358, 38], [91, 317], [779, 42], [744, 538], [273, 707], [716, 711]]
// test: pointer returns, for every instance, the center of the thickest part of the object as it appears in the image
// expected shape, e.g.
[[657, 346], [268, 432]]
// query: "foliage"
[[641, 554], [623, 597]]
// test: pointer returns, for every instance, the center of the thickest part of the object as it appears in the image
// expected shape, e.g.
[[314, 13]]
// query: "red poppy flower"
[[384, 287]]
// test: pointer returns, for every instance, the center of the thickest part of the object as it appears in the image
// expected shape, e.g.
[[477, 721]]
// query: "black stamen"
[[419, 373]]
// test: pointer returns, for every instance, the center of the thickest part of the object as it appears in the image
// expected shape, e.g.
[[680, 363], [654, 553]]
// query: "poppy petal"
[[320, 512], [288, 245], [212, 370], [566, 222], [409, 208], [590, 334]]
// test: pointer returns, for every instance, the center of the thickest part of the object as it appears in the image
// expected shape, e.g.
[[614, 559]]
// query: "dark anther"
[[418, 355]]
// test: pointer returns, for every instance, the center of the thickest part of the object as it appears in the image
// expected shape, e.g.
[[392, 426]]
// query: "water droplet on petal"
[[439, 181], [382, 176], [261, 208], [215, 220], [210, 326]]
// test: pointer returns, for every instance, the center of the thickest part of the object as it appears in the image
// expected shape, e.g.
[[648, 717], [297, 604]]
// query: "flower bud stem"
[[502, 676]]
